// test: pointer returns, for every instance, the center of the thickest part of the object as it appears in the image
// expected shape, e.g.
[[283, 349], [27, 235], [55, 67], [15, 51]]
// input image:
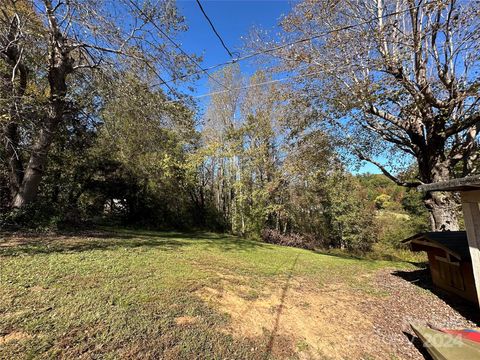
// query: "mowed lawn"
[[139, 294]]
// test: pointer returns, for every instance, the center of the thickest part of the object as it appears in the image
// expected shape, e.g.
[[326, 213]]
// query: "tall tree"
[[220, 138], [49, 48], [399, 81]]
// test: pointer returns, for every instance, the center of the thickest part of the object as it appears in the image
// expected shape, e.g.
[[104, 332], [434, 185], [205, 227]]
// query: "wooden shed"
[[449, 261], [469, 189]]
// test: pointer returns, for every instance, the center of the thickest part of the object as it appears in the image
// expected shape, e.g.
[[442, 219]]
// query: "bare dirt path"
[[335, 321]]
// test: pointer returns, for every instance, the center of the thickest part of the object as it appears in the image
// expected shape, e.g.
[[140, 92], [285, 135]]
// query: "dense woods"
[[92, 132]]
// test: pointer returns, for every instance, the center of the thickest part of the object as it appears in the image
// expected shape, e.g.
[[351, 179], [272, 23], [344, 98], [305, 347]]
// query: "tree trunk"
[[443, 211], [442, 206], [13, 155], [36, 166], [60, 66]]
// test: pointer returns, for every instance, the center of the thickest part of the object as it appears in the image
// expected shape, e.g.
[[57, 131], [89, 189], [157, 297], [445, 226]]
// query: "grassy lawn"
[[139, 294]]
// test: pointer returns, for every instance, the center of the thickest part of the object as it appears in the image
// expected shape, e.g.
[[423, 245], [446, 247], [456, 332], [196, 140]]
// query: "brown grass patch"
[[14, 336], [318, 322], [185, 320]]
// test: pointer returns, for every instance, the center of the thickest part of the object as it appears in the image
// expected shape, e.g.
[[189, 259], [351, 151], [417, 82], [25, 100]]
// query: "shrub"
[[395, 227], [272, 236], [349, 215]]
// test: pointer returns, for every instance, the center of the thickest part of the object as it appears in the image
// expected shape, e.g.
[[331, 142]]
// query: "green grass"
[[119, 294]]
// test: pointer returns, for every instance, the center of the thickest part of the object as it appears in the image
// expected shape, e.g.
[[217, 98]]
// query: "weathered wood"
[[471, 213], [463, 184], [470, 196], [443, 346]]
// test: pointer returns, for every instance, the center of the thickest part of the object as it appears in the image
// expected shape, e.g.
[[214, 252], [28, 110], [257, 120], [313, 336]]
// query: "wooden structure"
[[449, 260], [444, 346], [469, 189]]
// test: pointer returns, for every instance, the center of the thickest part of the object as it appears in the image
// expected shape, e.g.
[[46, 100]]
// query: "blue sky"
[[233, 20]]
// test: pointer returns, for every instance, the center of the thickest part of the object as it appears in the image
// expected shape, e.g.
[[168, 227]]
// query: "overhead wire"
[[251, 85], [214, 29], [257, 53], [279, 47], [201, 69]]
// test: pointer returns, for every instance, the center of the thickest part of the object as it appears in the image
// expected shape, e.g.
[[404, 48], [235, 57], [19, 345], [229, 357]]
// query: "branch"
[[386, 116], [472, 120], [403, 143], [385, 172]]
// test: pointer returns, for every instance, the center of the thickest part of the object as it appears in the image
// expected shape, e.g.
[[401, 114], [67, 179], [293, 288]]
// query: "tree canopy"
[[95, 129]]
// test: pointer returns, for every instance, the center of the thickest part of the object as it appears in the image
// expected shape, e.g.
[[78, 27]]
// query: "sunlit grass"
[[118, 294]]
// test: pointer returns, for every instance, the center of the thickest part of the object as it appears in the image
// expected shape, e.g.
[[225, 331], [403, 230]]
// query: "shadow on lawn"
[[70, 242], [279, 310], [423, 279], [370, 257]]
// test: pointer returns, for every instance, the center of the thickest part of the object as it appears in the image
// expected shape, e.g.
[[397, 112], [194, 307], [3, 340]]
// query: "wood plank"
[[471, 213], [443, 346], [470, 196], [466, 183]]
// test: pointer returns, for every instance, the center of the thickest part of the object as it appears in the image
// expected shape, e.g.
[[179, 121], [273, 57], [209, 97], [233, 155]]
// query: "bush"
[[272, 236], [395, 227], [349, 215], [37, 216]]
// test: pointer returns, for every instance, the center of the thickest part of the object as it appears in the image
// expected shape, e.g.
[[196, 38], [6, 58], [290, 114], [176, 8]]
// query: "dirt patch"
[[335, 321], [14, 336], [186, 320], [37, 288], [317, 323]]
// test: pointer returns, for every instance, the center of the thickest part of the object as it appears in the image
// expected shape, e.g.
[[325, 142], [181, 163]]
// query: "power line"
[[201, 69], [279, 47], [213, 28], [261, 52], [251, 85], [258, 84]]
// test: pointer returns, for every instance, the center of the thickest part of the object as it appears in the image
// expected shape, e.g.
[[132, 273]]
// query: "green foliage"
[[141, 161], [412, 203], [395, 227], [401, 212], [33, 217], [383, 201], [350, 217]]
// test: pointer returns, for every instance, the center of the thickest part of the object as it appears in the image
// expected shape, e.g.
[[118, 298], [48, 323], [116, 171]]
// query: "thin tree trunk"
[[13, 155]]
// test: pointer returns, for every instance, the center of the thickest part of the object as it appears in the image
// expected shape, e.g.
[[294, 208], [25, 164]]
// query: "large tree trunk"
[[60, 65], [442, 206], [443, 211], [36, 166], [38, 157]]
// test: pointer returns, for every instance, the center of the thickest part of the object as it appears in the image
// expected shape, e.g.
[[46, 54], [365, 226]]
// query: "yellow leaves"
[[4, 118], [30, 21]]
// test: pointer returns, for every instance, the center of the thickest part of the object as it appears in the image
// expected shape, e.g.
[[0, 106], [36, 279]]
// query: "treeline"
[[92, 131], [245, 166]]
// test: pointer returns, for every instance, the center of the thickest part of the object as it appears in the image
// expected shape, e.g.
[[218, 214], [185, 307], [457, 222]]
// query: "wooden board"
[[443, 346]]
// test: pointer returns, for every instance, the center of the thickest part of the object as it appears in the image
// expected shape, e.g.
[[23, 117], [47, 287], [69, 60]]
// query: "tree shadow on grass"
[[423, 279], [72, 242], [368, 257], [279, 310], [207, 240]]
